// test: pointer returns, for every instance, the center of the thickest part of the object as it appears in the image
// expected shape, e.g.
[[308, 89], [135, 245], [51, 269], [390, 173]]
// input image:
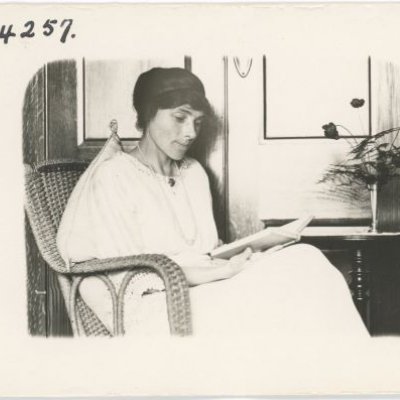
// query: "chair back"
[[48, 186]]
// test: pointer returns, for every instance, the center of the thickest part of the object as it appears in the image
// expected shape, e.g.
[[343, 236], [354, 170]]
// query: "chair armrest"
[[118, 263], [176, 286]]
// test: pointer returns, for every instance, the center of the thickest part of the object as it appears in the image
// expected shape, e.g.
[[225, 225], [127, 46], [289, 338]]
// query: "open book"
[[265, 239]]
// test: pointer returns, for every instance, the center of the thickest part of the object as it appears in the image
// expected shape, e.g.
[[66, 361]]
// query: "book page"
[[261, 241], [297, 225], [265, 239]]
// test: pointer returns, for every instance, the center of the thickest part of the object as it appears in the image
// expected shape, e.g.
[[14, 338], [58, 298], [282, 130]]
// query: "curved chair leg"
[[121, 294], [76, 281]]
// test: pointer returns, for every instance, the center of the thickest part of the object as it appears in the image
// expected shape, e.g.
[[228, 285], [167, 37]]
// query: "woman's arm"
[[201, 269]]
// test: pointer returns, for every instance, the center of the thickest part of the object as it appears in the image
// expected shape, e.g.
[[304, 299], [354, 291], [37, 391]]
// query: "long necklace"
[[171, 182]]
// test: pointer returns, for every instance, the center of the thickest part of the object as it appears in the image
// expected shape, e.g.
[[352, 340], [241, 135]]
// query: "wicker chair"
[[48, 186]]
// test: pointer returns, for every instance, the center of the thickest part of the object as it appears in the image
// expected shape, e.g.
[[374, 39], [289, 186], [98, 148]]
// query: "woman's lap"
[[294, 290]]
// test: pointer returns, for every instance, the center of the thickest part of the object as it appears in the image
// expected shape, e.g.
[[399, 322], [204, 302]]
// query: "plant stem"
[[352, 136]]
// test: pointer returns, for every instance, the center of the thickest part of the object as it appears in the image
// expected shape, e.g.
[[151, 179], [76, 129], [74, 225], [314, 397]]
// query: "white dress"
[[122, 208]]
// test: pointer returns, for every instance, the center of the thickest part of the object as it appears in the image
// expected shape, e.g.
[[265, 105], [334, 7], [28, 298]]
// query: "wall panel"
[[61, 132], [245, 110], [33, 151], [61, 109]]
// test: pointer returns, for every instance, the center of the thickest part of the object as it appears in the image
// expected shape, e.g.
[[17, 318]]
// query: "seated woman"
[[154, 200]]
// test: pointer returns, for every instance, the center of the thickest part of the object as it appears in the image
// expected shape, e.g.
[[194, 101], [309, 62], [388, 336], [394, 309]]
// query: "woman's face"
[[173, 130]]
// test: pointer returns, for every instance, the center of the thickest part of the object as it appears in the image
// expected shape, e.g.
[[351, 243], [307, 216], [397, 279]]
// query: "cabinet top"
[[346, 233]]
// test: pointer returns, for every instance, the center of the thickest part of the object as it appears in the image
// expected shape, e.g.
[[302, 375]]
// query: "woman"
[[154, 200]]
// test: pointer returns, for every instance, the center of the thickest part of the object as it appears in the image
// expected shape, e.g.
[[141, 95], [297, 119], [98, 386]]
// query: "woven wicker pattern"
[[91, 324], [47, 189]]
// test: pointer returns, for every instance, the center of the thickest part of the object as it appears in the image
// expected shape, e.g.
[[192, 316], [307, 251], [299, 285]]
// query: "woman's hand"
[[195, 260], [237, 262], [201, 268]]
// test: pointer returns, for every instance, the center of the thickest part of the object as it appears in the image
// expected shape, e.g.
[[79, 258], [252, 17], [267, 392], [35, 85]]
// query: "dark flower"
[[330, 131], [357, 103], [375, 159]]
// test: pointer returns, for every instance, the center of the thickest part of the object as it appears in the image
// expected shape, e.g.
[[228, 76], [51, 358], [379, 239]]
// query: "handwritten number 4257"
[[6, 32]]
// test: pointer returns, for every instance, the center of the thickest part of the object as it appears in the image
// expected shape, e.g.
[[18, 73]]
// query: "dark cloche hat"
[[158, 81]]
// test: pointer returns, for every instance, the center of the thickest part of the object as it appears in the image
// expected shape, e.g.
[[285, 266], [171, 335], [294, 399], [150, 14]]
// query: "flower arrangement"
[[373, 161]]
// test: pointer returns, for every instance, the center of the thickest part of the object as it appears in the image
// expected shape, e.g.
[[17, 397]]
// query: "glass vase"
[[373, 192]]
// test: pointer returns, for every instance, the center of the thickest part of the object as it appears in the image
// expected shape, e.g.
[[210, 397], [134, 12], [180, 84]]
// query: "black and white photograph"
[[200, 199]]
